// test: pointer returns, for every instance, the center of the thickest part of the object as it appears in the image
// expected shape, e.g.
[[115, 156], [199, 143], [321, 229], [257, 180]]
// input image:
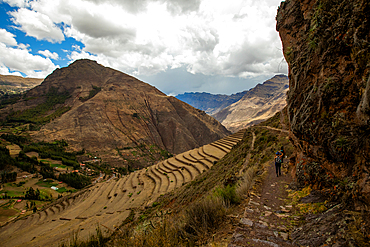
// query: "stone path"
[[266, 216]]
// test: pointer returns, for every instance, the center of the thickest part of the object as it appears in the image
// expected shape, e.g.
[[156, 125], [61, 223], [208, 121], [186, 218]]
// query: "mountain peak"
[[257, 104], [99, 108]]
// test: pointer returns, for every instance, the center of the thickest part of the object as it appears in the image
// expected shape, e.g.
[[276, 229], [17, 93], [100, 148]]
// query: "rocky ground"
[[266, 217], [275, 215]]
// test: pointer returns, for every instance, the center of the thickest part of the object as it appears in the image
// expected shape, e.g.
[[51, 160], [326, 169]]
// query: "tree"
[[32, 194], [8, 176]]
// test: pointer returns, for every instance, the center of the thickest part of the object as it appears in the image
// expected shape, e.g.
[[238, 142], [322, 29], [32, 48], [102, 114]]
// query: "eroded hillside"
[[326, 45], [257, 105]]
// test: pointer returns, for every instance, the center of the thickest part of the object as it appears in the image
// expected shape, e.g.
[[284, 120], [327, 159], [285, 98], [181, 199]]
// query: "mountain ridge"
[[210, 103], [213, 103], [99, 108], [257, 105]]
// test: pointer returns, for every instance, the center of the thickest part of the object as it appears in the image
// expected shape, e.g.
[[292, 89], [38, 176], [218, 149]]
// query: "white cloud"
[[17, 3], [49, 54], [21, 60], [5, 71], [7, 38], [136, 6], [16, 58], [37, 25], [144, 37]]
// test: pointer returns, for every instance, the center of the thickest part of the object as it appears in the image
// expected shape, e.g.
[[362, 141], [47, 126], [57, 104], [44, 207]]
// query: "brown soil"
[[6, 213]]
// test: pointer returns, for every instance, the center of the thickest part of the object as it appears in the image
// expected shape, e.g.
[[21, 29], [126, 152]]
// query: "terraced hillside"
[[108, 203]]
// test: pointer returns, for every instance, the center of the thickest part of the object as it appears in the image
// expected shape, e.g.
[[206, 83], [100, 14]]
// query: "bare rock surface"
[[326, 46]]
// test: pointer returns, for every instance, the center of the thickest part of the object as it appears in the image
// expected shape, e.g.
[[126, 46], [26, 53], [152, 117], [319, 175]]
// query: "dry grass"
[[165, 233], [190, 228], [246, 182], [204, 216], [96, 240]]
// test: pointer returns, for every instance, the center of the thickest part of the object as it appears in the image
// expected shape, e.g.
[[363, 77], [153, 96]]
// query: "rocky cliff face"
[[257, 105], [326, 44], [106, 111]]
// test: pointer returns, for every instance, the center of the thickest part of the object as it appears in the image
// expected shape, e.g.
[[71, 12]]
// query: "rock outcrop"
[[110, 111], [326, 44], [257, 105]]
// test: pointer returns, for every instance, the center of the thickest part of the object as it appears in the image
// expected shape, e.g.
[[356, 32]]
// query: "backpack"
[[278, 159]]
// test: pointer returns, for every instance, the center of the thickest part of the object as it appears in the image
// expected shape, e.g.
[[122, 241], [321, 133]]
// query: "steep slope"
[[257, 105], [326, 44], [210, 103], [103, 110], [17, 84]]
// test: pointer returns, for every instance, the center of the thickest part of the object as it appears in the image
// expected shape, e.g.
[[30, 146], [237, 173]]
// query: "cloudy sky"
[[179, 46]]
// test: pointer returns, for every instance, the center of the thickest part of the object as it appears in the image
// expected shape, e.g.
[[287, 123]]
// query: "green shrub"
[[68, 162], [75, 180], [32, 194], [8, 177], [228, 194], [38, 114]]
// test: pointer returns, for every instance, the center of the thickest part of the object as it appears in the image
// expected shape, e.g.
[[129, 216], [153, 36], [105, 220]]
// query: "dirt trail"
[[272, 128], [266, 217]]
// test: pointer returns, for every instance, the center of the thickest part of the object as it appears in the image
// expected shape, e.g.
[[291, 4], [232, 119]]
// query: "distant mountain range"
[[210, 103], [10, 84], [243, 109]]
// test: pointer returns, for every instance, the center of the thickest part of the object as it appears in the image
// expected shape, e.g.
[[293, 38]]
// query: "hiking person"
[[282, 151], [278, 161]]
